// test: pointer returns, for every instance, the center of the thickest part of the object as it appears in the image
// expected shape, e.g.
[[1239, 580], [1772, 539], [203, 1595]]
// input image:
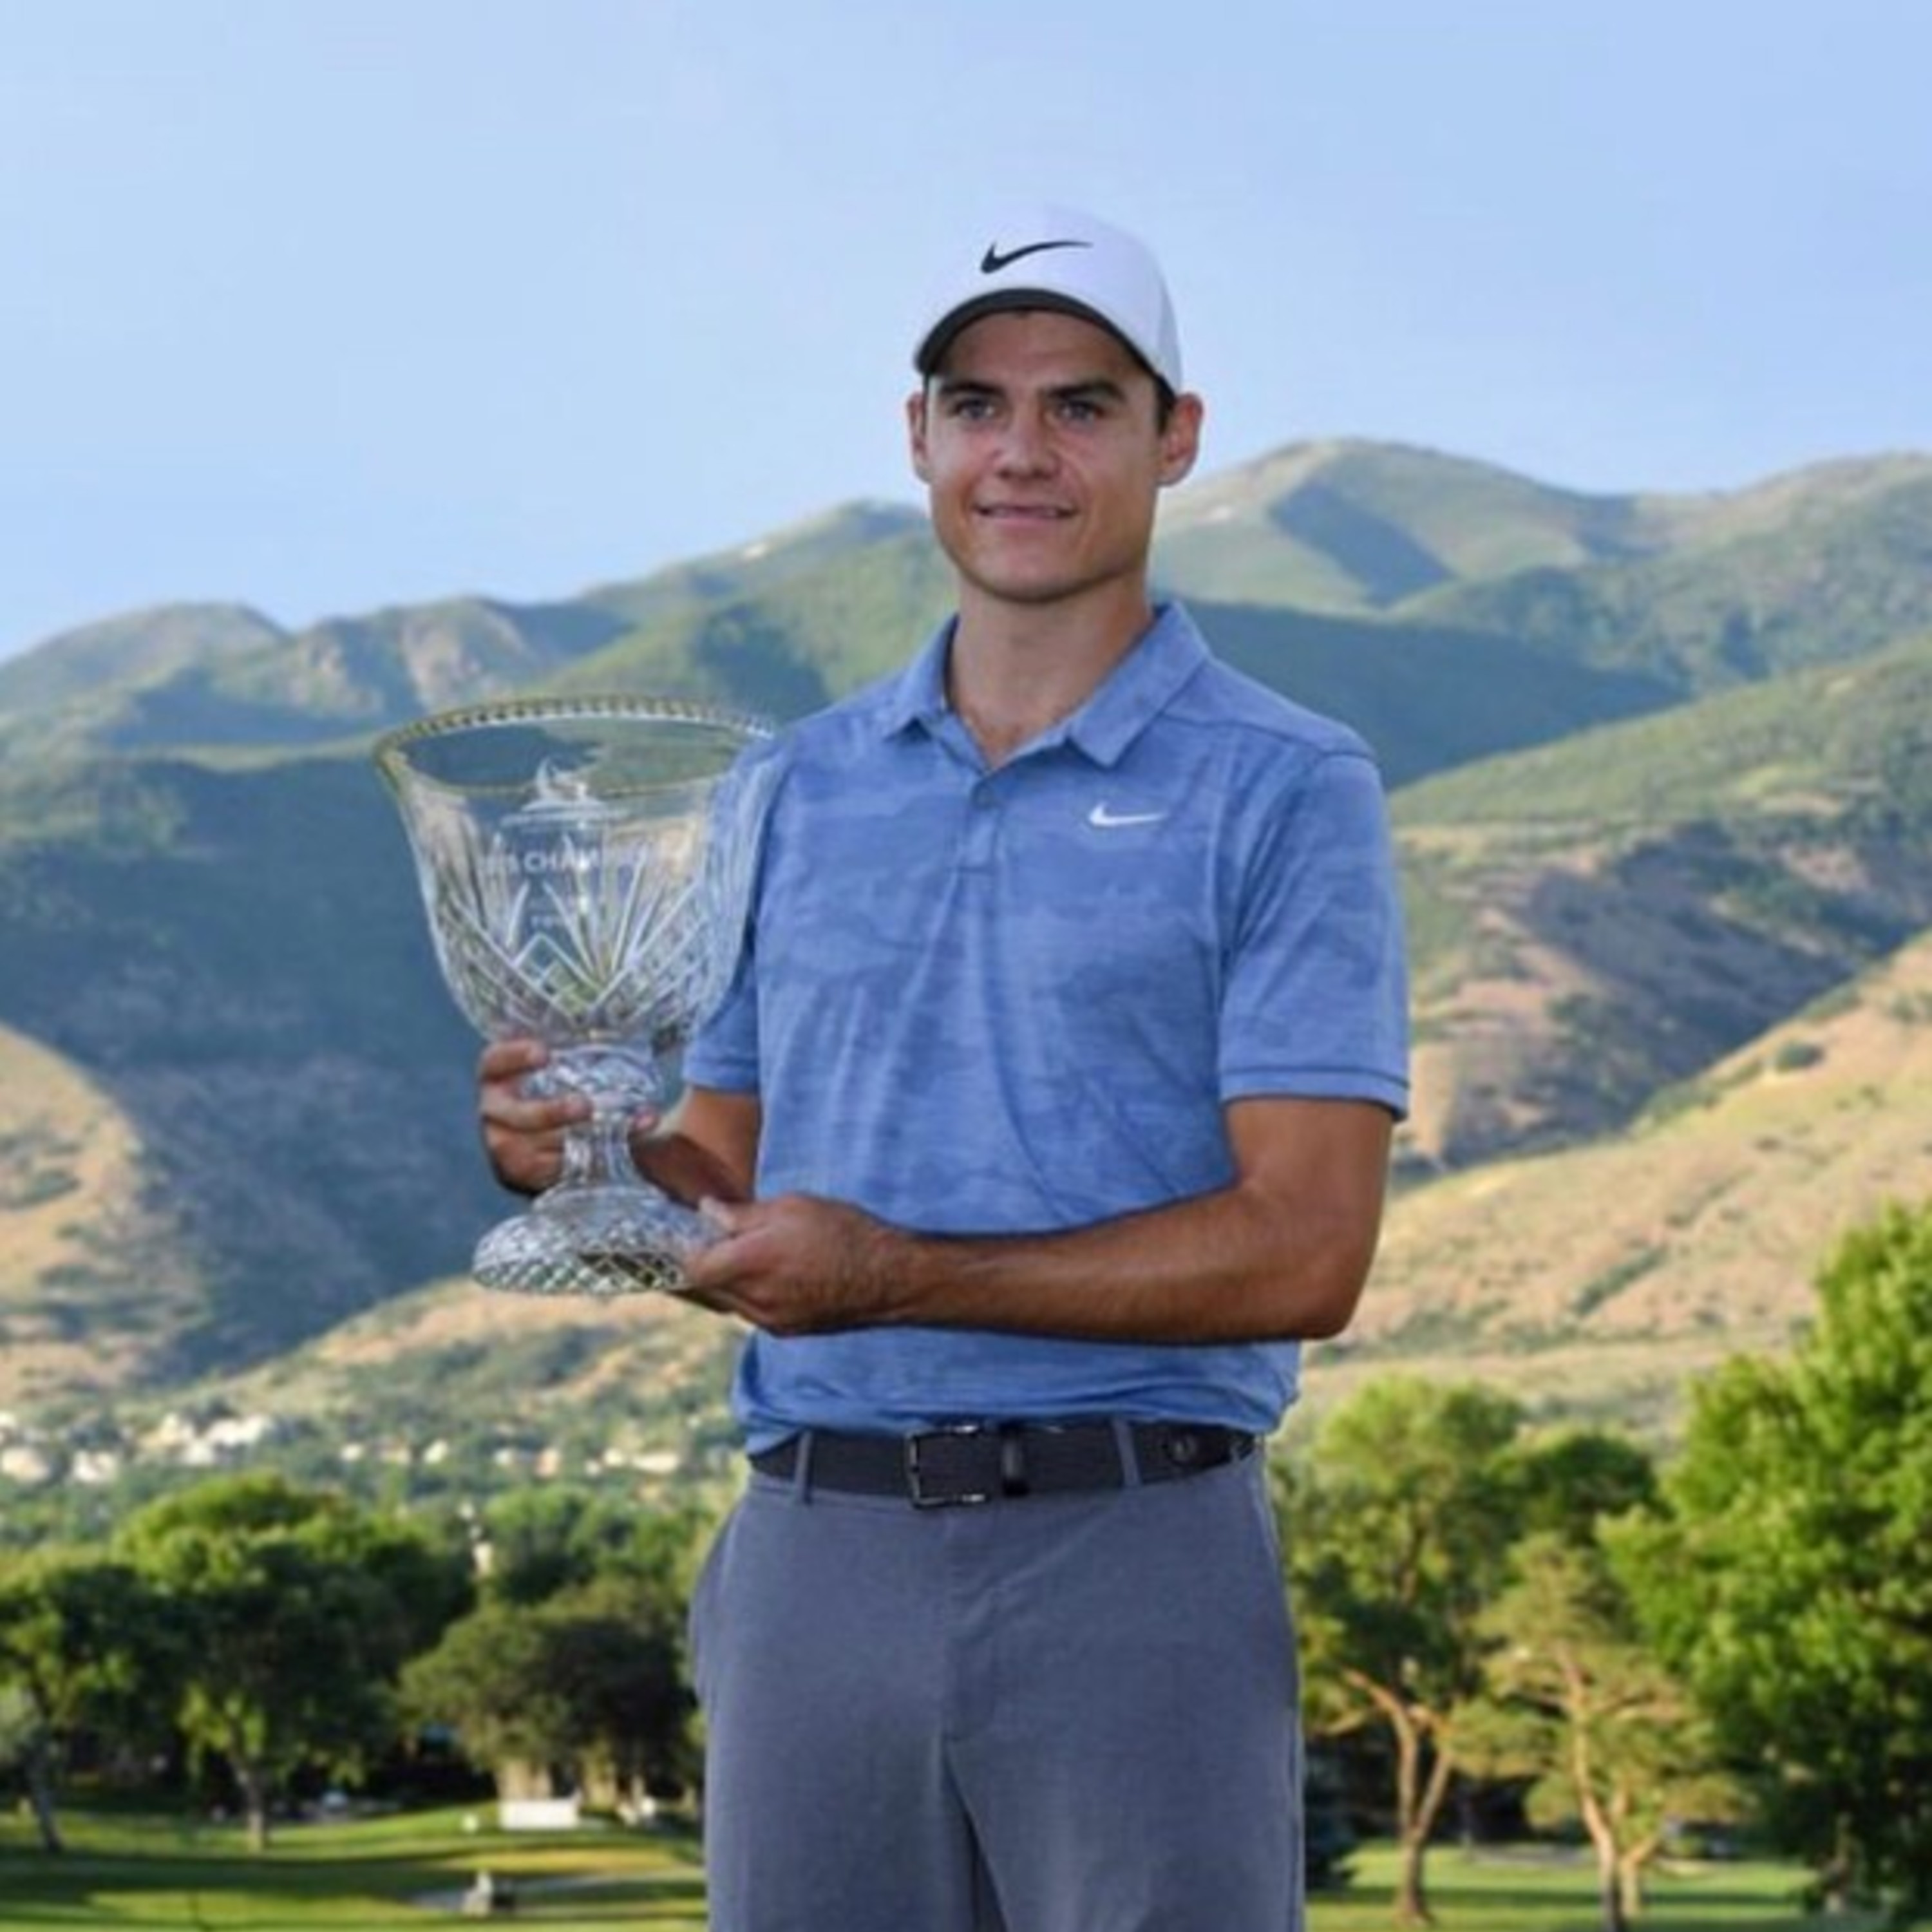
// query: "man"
[[1050, 1112]]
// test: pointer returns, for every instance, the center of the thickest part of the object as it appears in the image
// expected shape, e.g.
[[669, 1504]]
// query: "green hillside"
[[1595, 919], [1816, 569], [1426, 698], [238, 961], [1595, 1280], [1355, 526], [836, 618], [143, 647], [197, 678], [756, 569]]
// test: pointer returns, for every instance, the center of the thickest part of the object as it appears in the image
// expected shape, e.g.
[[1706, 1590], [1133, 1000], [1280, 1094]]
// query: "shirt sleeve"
[[1316, 999], [723, 1051]]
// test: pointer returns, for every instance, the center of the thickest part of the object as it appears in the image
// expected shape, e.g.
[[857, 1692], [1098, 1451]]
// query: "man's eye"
[[1080, 409]]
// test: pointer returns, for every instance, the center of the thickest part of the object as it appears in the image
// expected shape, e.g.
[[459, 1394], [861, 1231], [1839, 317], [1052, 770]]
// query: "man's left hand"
[[799, 1265]]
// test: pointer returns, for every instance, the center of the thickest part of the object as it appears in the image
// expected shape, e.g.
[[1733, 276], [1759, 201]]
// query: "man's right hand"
[[523, 1137]]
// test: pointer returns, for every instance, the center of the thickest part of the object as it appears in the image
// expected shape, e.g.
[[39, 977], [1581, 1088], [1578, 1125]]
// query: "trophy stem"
[[602, 1229], [597, 1153]]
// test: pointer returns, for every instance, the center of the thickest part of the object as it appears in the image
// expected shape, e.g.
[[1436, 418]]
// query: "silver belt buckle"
[[916, 1472]]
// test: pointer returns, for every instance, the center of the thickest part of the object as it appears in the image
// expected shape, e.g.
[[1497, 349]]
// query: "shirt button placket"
[[983, 828]]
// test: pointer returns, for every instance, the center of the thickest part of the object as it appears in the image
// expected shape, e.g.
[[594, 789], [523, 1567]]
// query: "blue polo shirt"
[[1018, 1000]]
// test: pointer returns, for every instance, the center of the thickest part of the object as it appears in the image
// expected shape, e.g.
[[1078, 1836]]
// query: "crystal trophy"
[[587, 865]]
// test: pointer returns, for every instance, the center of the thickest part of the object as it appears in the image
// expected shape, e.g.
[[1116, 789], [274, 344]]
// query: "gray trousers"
[[1059, 1713]]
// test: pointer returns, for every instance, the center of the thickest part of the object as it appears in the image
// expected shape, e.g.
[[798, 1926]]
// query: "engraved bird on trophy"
[[587, 865]]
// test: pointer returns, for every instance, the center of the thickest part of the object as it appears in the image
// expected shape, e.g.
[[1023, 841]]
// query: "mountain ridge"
[[1452, 504]]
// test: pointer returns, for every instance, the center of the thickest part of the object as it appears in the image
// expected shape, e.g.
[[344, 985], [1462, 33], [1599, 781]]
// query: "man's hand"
[[523, 1137], [799, 1265]]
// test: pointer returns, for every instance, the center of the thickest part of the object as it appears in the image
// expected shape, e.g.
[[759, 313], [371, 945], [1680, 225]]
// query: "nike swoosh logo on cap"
[[992, 261]]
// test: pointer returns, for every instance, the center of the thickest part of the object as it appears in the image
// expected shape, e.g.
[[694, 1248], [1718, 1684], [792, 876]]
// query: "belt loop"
[[801, 1477], [1123, 1447]]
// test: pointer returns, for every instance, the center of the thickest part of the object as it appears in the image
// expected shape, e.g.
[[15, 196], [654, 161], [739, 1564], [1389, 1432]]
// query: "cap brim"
[[941, 337]]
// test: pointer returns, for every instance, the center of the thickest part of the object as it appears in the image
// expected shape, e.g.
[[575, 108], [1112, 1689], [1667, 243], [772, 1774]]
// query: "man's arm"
[[1281, 1253]]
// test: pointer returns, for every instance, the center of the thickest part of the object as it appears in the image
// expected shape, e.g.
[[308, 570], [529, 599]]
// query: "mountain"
[[144, 647], [1698, 592], [1814, 569], [1595, 1278], [1594, 920], [1637, 858], [1624, 602], [1357, 526], [202, 678], [235, 961]]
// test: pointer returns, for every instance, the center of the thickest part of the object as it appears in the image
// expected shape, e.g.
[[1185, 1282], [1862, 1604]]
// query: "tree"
[[1791, 1582], [81, 1639], [578, 1687], [1570, 1483], [1397, 1526], [540, 1540], [615, 1580], [542, 1543], [624, 1678], [492, 1679], [298, 1610], [1612, 1739]]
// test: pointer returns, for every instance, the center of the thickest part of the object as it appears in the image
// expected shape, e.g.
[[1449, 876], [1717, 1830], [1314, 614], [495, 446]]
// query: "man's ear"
[[1181, 438], [921, 466]]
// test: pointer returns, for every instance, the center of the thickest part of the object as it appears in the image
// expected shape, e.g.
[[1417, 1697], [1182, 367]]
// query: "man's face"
[[1039, 440]]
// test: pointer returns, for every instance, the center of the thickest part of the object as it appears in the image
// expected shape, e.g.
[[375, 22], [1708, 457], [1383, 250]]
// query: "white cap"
[[1057, 258]]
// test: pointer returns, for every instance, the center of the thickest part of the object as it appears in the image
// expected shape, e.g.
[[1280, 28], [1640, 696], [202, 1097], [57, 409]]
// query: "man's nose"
[[1026, 447]]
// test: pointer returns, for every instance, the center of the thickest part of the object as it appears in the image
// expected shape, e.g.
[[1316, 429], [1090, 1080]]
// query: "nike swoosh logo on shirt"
[[992, 261], [1107, 821]]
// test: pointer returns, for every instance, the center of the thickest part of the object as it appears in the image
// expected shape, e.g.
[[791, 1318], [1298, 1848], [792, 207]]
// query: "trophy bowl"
[[586, 865]]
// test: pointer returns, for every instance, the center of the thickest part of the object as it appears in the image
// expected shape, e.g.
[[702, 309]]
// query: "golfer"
[[1049, 1114]]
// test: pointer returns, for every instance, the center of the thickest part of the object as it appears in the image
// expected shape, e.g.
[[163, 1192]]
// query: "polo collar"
[[1166, 654], [917, 696]]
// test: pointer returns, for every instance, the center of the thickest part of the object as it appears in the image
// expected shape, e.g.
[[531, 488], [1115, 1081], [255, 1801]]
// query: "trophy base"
[[601, 1240]]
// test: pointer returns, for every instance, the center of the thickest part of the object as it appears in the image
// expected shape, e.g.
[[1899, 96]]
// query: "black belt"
[[985, 1461]]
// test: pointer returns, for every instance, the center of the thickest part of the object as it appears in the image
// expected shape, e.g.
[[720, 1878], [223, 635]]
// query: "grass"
[[1538, 1889], [401, 1874], [380, 1875]]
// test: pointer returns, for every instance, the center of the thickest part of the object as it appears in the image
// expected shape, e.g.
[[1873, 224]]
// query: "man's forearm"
[[1282, 1252], [1227, 1266], [706, 1150]]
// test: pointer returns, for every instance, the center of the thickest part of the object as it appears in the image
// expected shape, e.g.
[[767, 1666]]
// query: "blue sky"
[[322, 304]]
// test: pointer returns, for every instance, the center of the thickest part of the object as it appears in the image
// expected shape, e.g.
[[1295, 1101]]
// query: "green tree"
[[1570, 1483], [298, 1610], [625, 1677], [544, 1542], [492, 1679], [549, 1538], [1791, 1582], [579, 1688], [81, 1639], [1396, 1524], [1612, 1740]]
